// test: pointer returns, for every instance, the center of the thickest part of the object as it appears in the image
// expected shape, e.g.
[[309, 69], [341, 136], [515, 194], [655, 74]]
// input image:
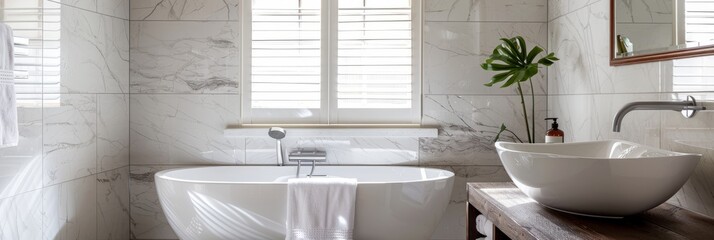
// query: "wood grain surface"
[[520, 217]]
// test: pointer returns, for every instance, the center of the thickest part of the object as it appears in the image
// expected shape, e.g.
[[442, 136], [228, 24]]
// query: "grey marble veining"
[[112, 131], [558, 8], [580, 39], [90, 5], [116, 8], [468, 124], [486, 10], [185, 57], [147, 219], [70, 210], [185, 10], [113, 204], [99, 62], [453, 52], [184, 129], [70, 138]]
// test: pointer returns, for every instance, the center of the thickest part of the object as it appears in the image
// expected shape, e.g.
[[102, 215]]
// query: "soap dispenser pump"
[[554, 135]]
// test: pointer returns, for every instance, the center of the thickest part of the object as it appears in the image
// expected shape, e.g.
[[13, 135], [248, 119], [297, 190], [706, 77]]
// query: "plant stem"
[[514, 135], [525, 113], [532, 109]]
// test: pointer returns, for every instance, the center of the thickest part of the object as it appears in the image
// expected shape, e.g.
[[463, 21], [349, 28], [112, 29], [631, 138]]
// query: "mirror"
[[656, 30]]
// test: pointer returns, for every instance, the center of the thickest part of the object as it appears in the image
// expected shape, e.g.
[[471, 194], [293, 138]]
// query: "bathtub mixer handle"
[[300, 156]]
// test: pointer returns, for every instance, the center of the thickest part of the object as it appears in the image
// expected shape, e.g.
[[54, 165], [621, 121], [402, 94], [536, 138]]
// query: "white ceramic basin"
[[601, 178], [249, 202]]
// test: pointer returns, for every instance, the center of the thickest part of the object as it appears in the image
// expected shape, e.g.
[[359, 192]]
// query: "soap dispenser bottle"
[[554, 135]]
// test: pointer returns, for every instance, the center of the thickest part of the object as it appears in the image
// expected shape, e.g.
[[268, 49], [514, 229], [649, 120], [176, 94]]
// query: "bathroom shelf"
[[336, 132], [516, 216]]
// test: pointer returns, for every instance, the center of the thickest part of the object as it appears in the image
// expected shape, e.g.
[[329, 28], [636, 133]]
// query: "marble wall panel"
[[69, 210], [185, 57], [454, 51], [112, 131], [468, 124], [147, 219], [486, 10], [184, 129], [94, 51], [185, 10], [113, 221], [70, 138]]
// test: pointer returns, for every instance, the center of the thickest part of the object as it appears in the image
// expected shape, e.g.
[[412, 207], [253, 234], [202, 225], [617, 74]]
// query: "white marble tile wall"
[[147, 219], [184, 129], [113, 8], [586, 92], [185, 56], [185, 10], [68, 177], [453, 52], [99, 44], [468, 125], [486, 10]]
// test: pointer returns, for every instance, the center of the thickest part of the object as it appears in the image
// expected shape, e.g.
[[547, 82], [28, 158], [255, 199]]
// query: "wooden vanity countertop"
[[520, 217]]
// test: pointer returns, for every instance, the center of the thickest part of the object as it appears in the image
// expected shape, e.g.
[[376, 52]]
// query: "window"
[[695, 74], [331, 61], [36, 31]]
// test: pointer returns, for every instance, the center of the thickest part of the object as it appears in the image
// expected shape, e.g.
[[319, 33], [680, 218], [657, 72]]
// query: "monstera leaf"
[[517, 64]]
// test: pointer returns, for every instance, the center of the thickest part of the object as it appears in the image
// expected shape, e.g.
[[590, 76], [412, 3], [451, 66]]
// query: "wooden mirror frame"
[[652, 57]]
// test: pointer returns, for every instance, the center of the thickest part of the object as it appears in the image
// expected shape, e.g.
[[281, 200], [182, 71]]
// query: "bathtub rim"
[[163, 175]]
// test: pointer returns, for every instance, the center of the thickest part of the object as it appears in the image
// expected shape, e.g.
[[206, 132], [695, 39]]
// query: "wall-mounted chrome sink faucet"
[[688, 108], [278, 133]]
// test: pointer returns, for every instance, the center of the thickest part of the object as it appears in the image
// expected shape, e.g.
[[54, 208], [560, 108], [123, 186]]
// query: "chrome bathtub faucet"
[[301, 155], [278, 133]]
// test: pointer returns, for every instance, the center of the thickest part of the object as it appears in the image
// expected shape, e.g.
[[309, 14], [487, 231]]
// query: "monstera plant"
[[517, 65]]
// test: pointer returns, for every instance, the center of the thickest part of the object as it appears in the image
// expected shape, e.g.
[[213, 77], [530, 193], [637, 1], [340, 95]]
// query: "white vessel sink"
[[610, 178]]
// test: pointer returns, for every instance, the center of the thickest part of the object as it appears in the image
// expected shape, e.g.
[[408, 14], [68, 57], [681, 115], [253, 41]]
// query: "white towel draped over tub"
[[9, 134], [321, 208]]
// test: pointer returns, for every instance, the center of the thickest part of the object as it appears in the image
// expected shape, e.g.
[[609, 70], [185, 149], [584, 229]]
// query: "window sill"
[[404, 132]]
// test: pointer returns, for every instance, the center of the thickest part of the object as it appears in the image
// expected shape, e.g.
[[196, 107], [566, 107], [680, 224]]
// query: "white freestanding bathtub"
[[249, 202]]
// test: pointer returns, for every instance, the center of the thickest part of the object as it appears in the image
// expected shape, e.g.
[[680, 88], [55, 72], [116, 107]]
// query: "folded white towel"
[[484, 226], [9, 134], [321, 208]]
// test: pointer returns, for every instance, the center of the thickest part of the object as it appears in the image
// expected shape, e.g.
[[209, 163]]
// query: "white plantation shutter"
[[699, 21], [696, 74], [286, 55], [331, 61], [374, 54], [36, 31]]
